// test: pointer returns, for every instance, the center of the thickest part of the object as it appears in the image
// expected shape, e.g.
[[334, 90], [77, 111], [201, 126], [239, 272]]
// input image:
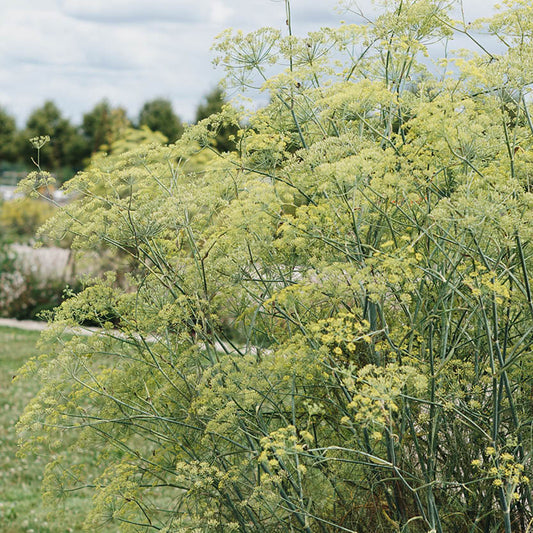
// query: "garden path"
[[31, 325]]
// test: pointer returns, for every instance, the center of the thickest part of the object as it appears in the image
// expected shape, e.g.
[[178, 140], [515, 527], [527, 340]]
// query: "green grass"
[[21, 508]]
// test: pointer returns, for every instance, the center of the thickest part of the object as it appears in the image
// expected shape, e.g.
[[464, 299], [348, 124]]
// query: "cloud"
[[306, 16], [136, 11], [317, 15], [221, 13], [242, 13]]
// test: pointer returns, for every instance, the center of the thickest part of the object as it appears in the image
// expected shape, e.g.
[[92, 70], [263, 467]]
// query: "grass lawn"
[[21, 509]]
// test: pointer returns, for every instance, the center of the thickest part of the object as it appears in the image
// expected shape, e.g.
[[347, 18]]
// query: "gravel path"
[[30, 325], [35, 325]]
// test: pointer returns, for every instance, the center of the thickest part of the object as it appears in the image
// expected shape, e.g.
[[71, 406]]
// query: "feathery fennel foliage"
[[329, 329]]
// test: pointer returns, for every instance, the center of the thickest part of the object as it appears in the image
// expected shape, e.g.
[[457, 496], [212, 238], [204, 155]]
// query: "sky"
[[77, 52]]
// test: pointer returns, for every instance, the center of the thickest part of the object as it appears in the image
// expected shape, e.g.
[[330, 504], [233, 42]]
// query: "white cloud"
[[140, 11], [221, 13]]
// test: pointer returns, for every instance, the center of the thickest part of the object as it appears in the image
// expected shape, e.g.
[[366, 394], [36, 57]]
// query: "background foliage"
[[328, 329], [72, 145]]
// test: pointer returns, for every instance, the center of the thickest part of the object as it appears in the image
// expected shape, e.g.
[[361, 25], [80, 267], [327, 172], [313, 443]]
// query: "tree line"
[[72, 145]]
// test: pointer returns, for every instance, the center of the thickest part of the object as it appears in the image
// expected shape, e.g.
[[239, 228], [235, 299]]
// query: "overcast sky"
[[77, 52]]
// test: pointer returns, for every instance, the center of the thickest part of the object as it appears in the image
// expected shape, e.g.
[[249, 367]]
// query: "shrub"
[[27, 297], [369, 246], [23, 217]]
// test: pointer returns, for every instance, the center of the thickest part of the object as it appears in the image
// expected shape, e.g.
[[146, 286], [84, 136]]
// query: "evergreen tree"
[[212, 104], [158, 115], [103, 125], [66, 144], [8, 132]]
